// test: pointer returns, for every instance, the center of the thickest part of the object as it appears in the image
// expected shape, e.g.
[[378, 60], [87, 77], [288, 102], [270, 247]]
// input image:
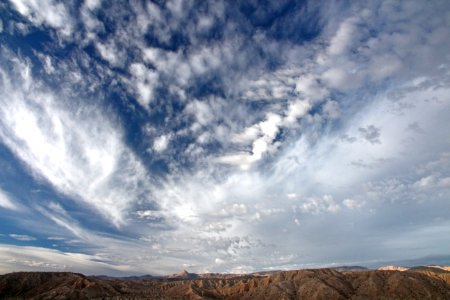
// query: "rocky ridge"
[[415, 283]]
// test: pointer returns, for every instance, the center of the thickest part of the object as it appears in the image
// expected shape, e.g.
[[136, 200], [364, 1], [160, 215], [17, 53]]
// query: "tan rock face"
[[417, 283]]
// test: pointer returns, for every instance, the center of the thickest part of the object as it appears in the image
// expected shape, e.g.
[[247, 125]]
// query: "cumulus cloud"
[[47, 12], [160, 143], [144, 82], [311, 88], [109, 53]]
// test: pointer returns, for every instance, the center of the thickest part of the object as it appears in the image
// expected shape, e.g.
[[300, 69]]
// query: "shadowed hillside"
[[302, 284]]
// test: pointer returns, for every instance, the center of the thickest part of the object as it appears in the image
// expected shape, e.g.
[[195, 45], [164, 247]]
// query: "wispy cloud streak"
[[71, 145]]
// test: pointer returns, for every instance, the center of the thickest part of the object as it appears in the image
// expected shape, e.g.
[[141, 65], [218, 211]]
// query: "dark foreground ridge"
[[415, 283]]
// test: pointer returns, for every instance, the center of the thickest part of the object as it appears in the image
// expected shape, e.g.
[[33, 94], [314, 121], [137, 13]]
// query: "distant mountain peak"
[[182, 275]]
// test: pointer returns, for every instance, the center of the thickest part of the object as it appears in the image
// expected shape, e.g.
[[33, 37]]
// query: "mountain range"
[[425, 282]]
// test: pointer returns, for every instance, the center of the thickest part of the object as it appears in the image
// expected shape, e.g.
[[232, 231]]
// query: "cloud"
[[426, 182], [316, 205], [160, 143], [6, 202], [55, 238], [18, 258], [432, 181], [234, 210], [370, 134], [47, 12], [311, 88], [271, 139], [415, 127], [144, 82], [22, 237], [296, 109], [109, 53], [347, 138], [220, 261], [93, 4], [352, 204], [74, 148], [149, 214]]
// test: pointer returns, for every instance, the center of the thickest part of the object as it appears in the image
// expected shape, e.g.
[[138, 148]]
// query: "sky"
[[148, 137]]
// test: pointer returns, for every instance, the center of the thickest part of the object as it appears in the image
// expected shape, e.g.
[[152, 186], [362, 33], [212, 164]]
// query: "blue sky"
[[150, 137]]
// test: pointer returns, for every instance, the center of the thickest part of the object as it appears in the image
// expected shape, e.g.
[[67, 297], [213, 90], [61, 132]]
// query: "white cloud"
[[426, 182], [331, 109], [247, 136], [46, 12], [160, 143], [90, 21], [109, 53], [432, 181], [243, 160], [202, 110], [242, 269], [148, 214], [268, 129], [144, 82], [383, 66], [6, 202], [277, 85], [346, 34], [22, 237], [310, 88], [352, 204], [93, 4], [373, 70], [79, 152], [219, 261], [17, 258], [317, 205], [316, 161], [297, 110], [235, 210], [55, 238], [341, 79]]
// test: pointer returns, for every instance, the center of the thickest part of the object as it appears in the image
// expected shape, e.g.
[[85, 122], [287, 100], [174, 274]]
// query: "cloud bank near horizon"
[[147, 138]]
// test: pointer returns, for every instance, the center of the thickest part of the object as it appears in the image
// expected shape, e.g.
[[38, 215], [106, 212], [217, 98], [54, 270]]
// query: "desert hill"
[[301, 284], [433, 271]]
